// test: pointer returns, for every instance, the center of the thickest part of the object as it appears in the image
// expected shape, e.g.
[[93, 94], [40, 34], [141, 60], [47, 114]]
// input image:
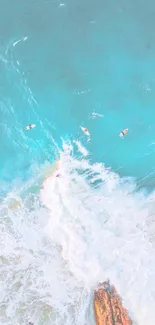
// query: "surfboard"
[[31, 126], [85, 131], [123, 133]]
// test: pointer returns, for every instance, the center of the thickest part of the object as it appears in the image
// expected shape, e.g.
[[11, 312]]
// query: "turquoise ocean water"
[[78, 58], [60, 63]]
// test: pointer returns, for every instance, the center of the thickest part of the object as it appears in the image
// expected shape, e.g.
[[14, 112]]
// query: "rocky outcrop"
[[108, 307]]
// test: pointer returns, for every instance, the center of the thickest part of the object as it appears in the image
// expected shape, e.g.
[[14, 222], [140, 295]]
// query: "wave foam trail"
[[83, 227]]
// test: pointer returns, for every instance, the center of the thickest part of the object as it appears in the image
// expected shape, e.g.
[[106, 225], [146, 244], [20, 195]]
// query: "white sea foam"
[[57, 245], [20, 40], [94, 115], [81, 148]]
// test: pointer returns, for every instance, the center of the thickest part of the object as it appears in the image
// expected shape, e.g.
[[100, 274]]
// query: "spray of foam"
[[94, 115], [83, 227]]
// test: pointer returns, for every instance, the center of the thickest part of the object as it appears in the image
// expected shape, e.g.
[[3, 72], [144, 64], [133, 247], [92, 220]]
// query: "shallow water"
[[66, 65]]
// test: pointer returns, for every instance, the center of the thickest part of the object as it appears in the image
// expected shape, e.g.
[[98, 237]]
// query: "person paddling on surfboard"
[[125, 131], [85, 131], [30, 126]]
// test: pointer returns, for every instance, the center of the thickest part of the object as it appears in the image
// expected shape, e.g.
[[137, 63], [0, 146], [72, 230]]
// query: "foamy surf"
[[81, 148], [104, 233], [20, 40], [95, 114], [82, 228]]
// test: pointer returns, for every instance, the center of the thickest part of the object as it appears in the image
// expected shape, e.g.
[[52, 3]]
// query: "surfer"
[[85, 130], [30, 126], [125, 131]]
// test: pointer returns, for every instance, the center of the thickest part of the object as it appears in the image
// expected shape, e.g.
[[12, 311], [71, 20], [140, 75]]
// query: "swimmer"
[[122, 134], [30, 126], [85, 131]]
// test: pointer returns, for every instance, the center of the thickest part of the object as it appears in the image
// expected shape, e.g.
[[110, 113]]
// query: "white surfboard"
[[85, 131], [30, 126], [123, 133]]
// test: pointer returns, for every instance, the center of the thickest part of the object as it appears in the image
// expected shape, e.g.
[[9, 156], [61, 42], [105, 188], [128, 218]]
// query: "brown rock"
[[108, 307]]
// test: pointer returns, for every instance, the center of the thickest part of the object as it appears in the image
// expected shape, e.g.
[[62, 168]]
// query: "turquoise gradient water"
[[60, 63], [78, 57]]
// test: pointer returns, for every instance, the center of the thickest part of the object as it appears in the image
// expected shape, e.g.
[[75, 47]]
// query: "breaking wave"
[[73, 231]]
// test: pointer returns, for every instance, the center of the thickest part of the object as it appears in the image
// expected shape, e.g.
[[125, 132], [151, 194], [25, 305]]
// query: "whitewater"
[[66, 65], [76, 230]]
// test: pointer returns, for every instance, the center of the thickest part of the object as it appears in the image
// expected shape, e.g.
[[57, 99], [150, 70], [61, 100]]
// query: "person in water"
[[85, 130], [29, 127], [125, 131]]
